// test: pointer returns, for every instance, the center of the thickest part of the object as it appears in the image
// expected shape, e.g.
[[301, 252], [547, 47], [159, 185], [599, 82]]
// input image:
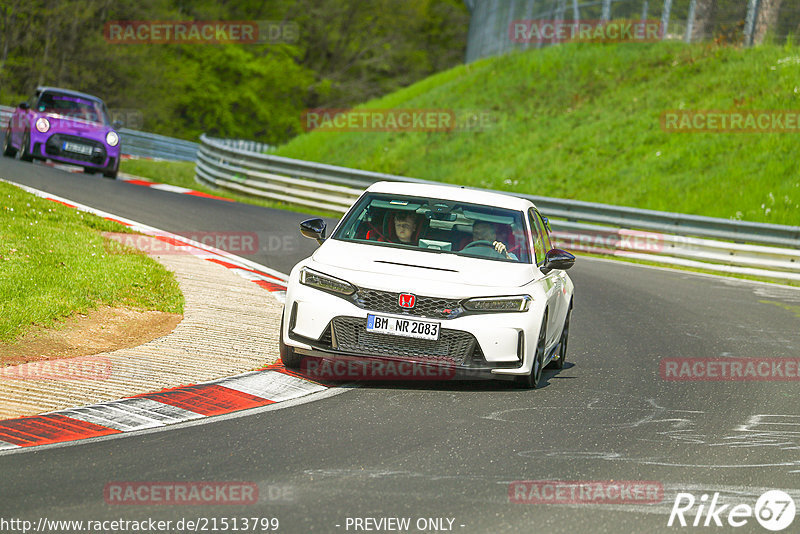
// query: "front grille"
[[387, 302], [56, 141], [454, 347]]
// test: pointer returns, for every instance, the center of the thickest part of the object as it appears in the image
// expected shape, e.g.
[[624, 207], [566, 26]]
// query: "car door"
[[551, 281]]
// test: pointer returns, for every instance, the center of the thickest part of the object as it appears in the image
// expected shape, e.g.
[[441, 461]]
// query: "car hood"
[[74, 126], [382, 266]]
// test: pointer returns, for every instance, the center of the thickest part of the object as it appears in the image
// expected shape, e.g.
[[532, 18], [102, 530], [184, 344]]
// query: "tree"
[[703, 19], [348, 51], [767, 19]]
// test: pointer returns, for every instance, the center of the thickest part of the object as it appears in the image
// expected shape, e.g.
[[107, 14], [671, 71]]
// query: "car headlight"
[[516, 303], [112, 138], [324, 282], [42, 124]]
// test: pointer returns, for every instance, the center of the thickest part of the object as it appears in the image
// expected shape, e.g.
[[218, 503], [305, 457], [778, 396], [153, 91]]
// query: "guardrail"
[[149, 145], [5, 116], [756, 249], [141, 144]]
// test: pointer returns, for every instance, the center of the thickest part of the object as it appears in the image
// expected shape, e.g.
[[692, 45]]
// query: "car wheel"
[[562, 344], [112, 174], [8, 150], [288, 356], [23, 153], [531, 380]]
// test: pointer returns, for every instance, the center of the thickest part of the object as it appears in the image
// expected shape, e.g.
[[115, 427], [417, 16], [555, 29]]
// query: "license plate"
[[77, 148], [399, 326]]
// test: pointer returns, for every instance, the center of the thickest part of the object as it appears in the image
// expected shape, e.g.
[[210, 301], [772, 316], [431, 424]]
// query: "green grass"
[[582, 121], [181, 173], [54, 262]]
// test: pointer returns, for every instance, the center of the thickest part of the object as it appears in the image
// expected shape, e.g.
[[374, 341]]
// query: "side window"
[[545, 233], [538, 243]]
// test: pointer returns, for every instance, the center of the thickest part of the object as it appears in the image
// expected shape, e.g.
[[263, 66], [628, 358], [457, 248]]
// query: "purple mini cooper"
[[64, 126]]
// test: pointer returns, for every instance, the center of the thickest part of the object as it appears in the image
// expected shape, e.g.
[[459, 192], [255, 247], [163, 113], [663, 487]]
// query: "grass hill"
[[582, 121]]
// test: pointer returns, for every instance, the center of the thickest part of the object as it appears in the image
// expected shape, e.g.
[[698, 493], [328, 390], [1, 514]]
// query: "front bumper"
[[327, 326], [51, 146], [338, 366], [348, 336]]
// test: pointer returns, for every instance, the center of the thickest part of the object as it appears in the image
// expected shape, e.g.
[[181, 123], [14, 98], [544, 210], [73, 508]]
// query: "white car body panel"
[[431, 274]]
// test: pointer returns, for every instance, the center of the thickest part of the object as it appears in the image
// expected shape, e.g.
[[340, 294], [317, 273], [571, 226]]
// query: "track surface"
[[450, 450]]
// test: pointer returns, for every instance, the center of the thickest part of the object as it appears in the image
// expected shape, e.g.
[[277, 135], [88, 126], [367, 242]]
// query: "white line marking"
[[330, 392], [272, 385], [131, 414], [151, 230], [171, 188]]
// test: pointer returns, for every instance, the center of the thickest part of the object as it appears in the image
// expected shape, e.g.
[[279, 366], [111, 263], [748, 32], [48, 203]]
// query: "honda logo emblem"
[[406, 300]]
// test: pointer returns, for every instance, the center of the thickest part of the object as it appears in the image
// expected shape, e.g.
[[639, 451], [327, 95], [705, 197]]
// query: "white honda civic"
[[421, 281]]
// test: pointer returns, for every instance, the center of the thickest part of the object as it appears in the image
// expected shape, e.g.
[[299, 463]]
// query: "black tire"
[[288, 357], [23, 153], [562, 344], [112, 173], [531, 380], [8, 150]]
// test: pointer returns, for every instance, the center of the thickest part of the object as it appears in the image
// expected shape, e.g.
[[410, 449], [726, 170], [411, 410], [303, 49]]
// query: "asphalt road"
[[450, 450]]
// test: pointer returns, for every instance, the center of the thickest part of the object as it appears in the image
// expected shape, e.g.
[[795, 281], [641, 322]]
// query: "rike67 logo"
[[774, 510]]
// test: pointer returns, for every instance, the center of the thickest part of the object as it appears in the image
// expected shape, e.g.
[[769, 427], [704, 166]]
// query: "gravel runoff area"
[[230, 326]]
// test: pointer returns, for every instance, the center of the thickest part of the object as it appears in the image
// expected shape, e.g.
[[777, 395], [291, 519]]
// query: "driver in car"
[[487, 231]]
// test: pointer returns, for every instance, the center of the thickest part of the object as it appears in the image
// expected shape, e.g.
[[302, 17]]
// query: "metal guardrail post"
[[690, 21], [665, 17], [606, 13], [750, 22]]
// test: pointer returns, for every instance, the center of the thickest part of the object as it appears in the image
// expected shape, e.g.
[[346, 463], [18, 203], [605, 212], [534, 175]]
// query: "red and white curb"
[[271, 385], [269, 279], [136, 180]]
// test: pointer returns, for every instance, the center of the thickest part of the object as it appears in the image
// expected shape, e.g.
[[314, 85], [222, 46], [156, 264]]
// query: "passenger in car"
[[400, 227]]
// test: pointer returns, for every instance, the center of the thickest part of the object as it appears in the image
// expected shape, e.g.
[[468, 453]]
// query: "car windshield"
[[73, 107], [437, 225]]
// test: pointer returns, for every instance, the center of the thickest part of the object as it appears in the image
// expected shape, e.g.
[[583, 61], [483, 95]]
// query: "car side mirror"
[[314, 229], [23, 105], [117, 125], [557, 259]]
